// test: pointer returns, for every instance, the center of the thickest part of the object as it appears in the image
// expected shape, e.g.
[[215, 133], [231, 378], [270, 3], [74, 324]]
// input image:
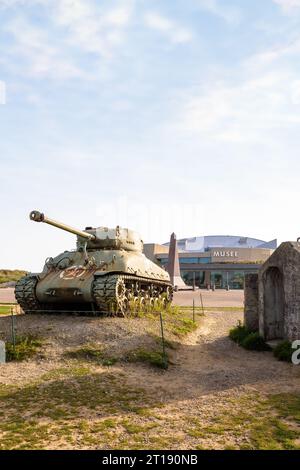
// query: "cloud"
[[258, 103], [91, 28], [170, 29], [243, 112], [273, 54], [288, 6], [6, 4], [41, 58], [230, 14], [69, 31]]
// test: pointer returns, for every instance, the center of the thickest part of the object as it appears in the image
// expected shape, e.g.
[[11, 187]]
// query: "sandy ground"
[[209, 362], [218, 298], [205, 362], [208, 372]]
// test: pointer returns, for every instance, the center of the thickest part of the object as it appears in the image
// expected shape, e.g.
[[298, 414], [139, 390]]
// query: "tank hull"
[[107, 273], [136, 282]]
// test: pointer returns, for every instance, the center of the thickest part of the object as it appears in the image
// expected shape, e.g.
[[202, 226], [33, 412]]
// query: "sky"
[[161, 116]]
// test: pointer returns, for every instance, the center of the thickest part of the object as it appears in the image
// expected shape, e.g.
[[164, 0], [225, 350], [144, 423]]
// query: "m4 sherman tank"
[[106, 273]]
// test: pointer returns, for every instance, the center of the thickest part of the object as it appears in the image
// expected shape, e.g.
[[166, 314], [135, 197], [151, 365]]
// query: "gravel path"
[[206, 362], [209, 363]]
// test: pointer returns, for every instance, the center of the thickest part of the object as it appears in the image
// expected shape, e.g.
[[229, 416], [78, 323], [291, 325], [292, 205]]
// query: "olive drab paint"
[[107, 273]]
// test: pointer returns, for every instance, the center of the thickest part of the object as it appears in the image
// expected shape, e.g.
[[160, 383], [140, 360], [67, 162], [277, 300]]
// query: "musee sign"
[[225, 254]]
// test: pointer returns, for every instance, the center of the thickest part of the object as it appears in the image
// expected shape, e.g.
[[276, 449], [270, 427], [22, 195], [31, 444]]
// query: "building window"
[[163, 261], [194, 260], [231, 279], [236, 279], [191, 277], [204, 260]]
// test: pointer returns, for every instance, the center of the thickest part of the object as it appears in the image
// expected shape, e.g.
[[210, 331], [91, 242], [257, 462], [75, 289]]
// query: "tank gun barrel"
[[37, 216]]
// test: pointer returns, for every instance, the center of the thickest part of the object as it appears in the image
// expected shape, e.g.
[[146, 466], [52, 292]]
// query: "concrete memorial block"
[[2, 352], [173, 264], [251, 319], [278, 295]]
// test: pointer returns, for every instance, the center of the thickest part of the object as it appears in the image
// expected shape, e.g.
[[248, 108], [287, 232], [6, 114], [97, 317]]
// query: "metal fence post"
[[163, 340], [194, 310], [13, 333], [202, 303]]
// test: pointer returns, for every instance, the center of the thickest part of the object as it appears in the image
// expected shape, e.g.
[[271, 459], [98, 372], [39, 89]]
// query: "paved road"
[[7, 295], [219, 298]]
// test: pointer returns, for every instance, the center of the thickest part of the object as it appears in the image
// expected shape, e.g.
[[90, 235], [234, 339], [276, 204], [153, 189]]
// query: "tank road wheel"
[[169, 295], [110, 297], [121, 301], [151, 304], [119, 294], [142, 304], [133, 303], [25, 294]]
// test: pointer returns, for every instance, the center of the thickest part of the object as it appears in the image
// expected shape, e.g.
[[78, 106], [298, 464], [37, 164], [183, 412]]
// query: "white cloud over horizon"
[[231, 14], [163, 105], [288, 6], [172, 30], [248, 111]]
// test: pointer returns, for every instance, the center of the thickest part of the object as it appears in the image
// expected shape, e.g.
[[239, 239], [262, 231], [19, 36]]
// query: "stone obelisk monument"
[[173, 264]]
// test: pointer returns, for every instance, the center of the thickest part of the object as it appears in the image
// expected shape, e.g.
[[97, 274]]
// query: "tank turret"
[[106, 273], [95, 238]]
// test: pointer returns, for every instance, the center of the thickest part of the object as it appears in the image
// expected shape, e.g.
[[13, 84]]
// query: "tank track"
[[119, 294], [25, 294], [113, 294]]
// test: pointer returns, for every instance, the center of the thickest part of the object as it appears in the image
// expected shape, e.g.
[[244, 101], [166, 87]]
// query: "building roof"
[[205, 243]]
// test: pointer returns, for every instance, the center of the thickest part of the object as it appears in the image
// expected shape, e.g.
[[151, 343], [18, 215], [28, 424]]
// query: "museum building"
[[220, 262]]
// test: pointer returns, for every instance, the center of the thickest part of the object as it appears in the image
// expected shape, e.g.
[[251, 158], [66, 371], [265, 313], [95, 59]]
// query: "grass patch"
[[154, 358], [214, 309], [60, 372], [62, 401], [283, 351], [254, 423], [53, 414], [25, 347], [168, 344], [93, 353], [179, 322], [5, 309], [183, 326], [133, 428]]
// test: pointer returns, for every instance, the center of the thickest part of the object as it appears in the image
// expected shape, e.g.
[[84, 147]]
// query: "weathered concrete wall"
[[251, 319], [279, 294]]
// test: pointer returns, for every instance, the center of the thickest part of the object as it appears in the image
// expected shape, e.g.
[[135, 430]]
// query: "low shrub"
[[248, 339], [254, 342], [283, 351], [239, 333]]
